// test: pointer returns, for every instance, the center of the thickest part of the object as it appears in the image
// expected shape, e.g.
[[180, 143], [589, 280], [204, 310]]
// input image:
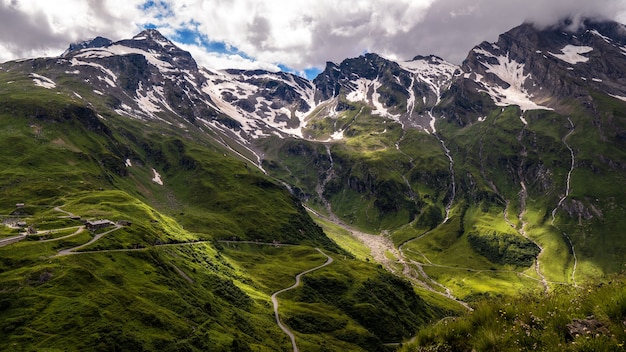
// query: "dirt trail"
[[183, 274], [69, 215], [79, 229], [420, 276], [96, 238], [284, 328]]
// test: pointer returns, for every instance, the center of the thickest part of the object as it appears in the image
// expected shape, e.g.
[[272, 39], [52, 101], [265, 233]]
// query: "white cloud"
[[298, 34], [223, 61]]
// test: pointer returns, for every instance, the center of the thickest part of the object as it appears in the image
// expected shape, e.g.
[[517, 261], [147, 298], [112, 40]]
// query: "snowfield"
[[512, 73], [572, 54]]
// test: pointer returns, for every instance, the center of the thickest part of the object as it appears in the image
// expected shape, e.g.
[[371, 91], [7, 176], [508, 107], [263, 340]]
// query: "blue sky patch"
[[163, 9], [190, 35]]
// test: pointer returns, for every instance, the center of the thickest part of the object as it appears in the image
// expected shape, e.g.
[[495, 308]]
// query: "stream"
[[452, 178], [523, 196], [568, 190]]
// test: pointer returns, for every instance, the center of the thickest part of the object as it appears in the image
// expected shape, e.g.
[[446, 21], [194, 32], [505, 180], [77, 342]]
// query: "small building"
[[19, 205], [93, 225], [124, 222]]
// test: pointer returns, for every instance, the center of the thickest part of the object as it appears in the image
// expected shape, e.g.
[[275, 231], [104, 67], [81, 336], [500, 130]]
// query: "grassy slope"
[[383, 177], [182, 296], [492, 158], [349, 303], [588, 318]]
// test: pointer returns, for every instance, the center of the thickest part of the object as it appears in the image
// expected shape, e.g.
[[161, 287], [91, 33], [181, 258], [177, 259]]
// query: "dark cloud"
[[451, 28], [22, 33], [259, 31]]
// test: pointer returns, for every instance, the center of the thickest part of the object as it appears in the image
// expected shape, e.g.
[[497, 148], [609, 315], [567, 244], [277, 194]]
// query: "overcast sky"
[[296, 35]]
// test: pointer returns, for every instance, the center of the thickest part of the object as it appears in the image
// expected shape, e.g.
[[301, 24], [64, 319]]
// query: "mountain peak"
[[97, 42], [431, 59], [153, 35]]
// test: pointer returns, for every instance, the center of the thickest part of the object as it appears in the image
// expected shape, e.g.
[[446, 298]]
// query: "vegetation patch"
[[504, 248]]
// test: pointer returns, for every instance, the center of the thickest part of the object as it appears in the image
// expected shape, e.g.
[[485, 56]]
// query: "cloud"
[[307, 33], [451, 28], [219, 60], [299, 35], [43, 28]]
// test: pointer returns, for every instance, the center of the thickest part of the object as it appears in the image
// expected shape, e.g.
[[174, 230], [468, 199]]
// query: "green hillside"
[[515, 187], [158, 277], [588, 318]]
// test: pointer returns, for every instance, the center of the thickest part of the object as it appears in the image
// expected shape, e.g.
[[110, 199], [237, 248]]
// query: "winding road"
[[94, 239], [275, 299]]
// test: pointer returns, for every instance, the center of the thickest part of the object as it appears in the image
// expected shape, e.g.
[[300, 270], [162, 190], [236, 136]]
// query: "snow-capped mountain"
[[543, 68], [148, 77], [400, 91], [262, 102]]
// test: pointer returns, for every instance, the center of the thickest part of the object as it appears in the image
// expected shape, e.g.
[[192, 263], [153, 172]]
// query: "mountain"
[[519, 165], [97, 42], [544, 69], [188, 239], [393, 89], [440, 185]]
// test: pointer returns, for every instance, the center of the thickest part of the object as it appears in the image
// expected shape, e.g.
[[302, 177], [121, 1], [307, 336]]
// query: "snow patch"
[[436, 75], [360, 93], [511, 72], [107, 80], [380, 109], [622, 98], [42, 81], [483, 52], [337, 135], [523, 120], [98, 92], [111, 77], [157, 178], [432, 122], [606, 39], [146, 102], [572, 54]]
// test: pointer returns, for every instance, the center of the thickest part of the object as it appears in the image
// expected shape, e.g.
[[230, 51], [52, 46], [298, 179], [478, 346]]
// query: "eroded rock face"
[[576, 209]]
